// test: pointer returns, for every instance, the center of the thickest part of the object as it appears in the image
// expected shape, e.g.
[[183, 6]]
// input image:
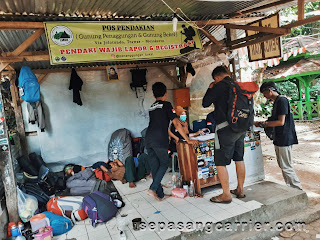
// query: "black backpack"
[[240, 114], [138, 79]]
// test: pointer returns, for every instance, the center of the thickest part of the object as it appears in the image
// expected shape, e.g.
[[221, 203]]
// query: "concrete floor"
[[265, 201]]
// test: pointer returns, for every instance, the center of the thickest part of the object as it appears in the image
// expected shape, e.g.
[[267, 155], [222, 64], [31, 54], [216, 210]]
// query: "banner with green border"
[[80, 42]]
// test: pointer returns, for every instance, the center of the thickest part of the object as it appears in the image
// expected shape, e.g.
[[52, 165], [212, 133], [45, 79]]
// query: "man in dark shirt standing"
[[157, 138], [229, 145], [284, 132]]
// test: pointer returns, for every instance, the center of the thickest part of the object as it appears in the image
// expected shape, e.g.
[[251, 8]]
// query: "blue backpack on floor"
[[59, 224], [99, 207], [29, 87]]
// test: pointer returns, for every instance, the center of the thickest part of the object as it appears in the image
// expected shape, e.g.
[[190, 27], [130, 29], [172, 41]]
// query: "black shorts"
[[231, 147]]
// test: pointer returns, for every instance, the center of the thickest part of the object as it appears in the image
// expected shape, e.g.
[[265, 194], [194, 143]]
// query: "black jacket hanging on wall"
[[76, 84]]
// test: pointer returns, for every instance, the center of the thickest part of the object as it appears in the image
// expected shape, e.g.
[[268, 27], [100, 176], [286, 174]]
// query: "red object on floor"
[[9, 228]]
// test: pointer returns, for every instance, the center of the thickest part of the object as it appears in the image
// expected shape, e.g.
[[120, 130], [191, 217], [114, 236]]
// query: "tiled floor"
[[140, 205]]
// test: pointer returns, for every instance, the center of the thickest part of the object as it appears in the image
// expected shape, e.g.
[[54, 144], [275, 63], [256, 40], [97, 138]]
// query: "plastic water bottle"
[[21, 228], [191, 189]]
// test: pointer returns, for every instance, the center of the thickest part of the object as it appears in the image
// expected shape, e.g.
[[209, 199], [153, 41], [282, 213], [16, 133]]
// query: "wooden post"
[[6, 168], [300, 9], [19, 118]]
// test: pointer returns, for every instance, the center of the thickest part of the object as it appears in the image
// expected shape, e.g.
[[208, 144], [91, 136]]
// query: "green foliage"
[[288, 89], [315, 89], [308, 29]]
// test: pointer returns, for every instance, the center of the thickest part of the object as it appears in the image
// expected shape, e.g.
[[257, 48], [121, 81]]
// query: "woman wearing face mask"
[[174, 135]]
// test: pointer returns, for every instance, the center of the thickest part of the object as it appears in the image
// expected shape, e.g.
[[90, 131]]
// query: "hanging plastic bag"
[[27, 205]]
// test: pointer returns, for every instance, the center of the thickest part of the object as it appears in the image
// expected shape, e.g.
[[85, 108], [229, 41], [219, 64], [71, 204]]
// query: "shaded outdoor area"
[[306, 156]]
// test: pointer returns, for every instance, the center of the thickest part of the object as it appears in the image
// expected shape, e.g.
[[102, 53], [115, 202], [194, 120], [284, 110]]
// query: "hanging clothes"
[[76, 85], [36, 114]]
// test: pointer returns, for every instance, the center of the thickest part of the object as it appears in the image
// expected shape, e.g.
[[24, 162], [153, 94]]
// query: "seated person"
[[175, 135], [134, 169]]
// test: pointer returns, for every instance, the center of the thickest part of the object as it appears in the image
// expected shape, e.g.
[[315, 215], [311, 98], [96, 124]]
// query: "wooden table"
[[188, 165]]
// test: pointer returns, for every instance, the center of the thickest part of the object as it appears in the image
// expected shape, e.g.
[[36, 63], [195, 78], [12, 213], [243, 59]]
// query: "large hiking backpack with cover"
[[29, 87], [120, 145], [240, 105]]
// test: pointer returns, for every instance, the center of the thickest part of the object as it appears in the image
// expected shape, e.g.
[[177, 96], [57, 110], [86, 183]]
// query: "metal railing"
[[301, 110]]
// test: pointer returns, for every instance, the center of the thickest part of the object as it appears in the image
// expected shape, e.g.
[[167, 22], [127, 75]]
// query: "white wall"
[[199, 84], [81, 134]]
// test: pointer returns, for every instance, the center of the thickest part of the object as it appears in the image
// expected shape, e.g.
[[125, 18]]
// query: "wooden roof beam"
[[211, 38], [28, 58], [16, 25], [279, 31], [302, 22], [101, 68], [228, 20], [27, 42], [258, 38], [254, 41]]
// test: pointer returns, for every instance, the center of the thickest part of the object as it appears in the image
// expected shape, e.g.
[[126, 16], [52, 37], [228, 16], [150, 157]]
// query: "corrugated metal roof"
[[98, 8], [101, 10], [275, 8]]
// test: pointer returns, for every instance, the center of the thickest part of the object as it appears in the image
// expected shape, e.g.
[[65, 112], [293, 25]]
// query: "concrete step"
[[299, 220], [276, 202]]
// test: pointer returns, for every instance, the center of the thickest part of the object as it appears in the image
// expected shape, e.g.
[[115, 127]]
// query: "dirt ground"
[[306, 157]]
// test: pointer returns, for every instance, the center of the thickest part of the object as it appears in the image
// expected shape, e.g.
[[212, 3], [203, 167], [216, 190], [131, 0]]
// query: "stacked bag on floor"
[[36, 171], [82, 182]]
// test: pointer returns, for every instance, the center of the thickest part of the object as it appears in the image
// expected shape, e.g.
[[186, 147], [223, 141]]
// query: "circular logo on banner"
[[61, 35]]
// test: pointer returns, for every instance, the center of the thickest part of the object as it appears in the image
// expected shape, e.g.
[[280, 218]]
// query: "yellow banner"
[[80, 42]]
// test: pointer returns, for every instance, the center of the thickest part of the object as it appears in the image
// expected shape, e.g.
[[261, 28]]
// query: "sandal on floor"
[[236, 193], [216, 200]]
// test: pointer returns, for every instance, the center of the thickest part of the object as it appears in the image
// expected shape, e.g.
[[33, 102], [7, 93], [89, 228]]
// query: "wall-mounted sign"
[[267, 49], [79, 42]]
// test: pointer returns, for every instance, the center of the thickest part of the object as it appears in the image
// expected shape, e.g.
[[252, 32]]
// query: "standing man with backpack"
[[228, 143], [284, 132]]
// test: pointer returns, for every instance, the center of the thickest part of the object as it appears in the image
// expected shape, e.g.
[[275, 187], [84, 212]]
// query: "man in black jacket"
[[284, 132], [229, 145]]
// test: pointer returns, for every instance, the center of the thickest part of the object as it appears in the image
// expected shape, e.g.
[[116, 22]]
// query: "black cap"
[[269, 85]]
